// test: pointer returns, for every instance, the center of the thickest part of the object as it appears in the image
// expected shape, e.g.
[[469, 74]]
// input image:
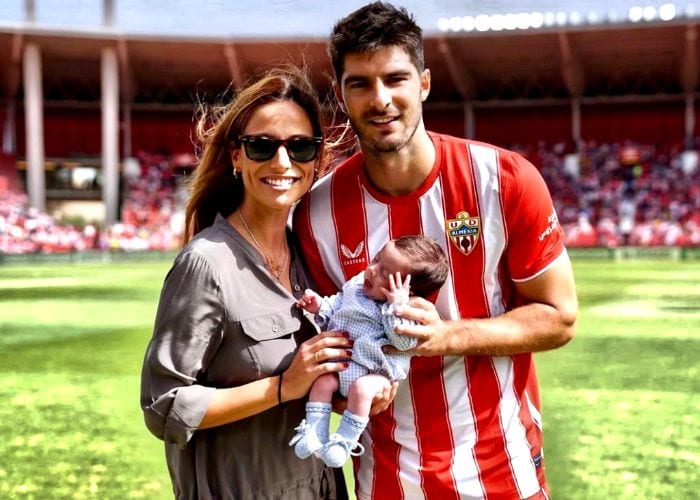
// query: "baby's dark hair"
[[429, 266]]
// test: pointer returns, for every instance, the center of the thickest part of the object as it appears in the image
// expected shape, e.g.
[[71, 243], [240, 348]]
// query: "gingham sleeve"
[[390, 321]]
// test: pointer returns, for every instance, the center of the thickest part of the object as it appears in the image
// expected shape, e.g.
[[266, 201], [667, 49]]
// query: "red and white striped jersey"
[[460, 427]]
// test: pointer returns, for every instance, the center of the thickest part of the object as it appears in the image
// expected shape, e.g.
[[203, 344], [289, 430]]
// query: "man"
[[466, 423]]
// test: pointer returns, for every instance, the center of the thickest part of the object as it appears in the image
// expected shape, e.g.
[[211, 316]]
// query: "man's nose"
[[381, 96]]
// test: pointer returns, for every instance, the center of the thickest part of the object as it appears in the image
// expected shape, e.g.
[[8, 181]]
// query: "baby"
[[365, 309]]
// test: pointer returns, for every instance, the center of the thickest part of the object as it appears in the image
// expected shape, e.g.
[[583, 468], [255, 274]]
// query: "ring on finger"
[[316, 357]]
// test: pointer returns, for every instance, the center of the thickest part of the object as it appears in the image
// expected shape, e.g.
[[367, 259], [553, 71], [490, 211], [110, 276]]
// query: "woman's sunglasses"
[[261, 148]]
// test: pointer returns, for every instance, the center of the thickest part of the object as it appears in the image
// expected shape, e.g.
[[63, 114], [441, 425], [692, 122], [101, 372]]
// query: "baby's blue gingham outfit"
[[370, 325]]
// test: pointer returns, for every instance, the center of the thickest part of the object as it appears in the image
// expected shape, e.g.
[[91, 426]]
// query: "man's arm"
[[547, 321]]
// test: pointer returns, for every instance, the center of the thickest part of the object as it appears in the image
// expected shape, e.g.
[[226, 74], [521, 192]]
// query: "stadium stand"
[[606, 110], [612, 195]]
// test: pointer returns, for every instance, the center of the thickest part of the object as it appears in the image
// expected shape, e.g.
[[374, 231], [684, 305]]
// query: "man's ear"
[[424, 84], [339, 96]]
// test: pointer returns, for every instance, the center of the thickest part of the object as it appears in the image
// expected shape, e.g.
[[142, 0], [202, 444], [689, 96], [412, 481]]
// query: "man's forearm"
[[529, 328]]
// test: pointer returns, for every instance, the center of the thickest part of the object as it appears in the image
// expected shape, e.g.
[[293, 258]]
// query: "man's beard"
[[381, 146]]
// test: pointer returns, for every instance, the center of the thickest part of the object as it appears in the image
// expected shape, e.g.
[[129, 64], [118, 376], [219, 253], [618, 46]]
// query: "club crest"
[[464, 231]]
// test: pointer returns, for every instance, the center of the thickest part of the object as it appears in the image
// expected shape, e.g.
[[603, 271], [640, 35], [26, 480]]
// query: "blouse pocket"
[[271, 340]]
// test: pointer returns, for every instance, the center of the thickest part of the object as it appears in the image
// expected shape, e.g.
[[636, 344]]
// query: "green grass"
[[620, 402]]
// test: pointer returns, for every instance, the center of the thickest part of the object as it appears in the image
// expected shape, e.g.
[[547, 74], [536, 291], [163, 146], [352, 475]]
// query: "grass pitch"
[[620, 402]]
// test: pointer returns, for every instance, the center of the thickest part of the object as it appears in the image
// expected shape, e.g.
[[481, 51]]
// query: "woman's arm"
[[236, 403]]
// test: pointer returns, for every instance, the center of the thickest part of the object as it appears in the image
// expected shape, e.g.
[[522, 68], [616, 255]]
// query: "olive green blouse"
[[223, 321]]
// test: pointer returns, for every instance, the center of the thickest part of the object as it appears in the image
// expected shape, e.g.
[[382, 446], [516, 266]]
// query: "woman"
[[231, 356]]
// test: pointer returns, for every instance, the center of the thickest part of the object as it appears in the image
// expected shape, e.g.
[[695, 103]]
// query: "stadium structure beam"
[[572, 73], [9, 132], [110, 133], [29, 11], [108, 13], [689, 69], [126, 87], [234, 64], [689, 79], [460, 76], [34, 123]]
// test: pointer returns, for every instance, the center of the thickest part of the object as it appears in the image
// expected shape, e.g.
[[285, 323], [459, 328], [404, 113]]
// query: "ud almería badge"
[[464, 231]]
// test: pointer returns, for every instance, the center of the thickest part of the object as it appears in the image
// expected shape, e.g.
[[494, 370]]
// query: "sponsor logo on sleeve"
[[464, 231], [552, 222]]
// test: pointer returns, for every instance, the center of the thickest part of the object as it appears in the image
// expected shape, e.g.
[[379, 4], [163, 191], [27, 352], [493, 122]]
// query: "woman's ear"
[[235, 156]]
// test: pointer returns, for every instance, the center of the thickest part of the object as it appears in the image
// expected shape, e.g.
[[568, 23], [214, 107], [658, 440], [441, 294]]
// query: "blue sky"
[[283, 18]]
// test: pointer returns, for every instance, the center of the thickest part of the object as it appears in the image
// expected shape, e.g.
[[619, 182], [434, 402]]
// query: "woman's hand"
[[311, 361]]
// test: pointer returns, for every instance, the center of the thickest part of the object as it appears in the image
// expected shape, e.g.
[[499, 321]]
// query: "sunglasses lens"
[[260, 148], [264, 148], [302, 149]]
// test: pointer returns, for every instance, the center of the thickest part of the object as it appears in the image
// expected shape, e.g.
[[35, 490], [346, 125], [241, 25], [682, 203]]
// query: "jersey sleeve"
[[535, 237]]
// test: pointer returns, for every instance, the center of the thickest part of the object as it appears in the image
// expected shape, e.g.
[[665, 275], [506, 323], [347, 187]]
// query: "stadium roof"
[[314, 18], [172, 49]]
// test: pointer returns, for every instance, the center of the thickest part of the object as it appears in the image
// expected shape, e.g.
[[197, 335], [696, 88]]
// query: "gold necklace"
[[275, 269]]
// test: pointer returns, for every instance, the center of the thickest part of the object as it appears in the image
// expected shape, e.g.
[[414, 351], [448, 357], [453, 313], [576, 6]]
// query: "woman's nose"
[[282, 157]]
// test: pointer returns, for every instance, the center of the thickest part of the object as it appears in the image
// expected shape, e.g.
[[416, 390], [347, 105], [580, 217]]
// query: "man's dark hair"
[[429, 266], [372, 27]]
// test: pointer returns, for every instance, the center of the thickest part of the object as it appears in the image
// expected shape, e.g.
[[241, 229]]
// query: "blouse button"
[[275, 328], [297, 288]]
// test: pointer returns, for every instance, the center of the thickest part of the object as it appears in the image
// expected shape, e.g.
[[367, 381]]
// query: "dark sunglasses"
[[261, 148]]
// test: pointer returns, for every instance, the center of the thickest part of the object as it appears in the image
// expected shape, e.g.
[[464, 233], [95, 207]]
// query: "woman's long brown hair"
[[213, 187]]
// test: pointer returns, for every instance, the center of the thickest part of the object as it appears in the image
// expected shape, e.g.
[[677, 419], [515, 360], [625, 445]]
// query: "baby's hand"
[[399, 290], [310, 301]]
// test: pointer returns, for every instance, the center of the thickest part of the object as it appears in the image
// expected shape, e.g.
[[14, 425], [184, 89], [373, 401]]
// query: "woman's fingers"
[[328, 339], [329, 353]]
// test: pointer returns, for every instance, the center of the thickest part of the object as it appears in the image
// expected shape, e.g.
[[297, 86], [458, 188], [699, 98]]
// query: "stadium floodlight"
[[593, 17], [575, 18], [443, 24], [497, 22], [649, 13], [455, 23], [667, 12], [481, 22], [561, 18], [536, 20], [549, 19], [613, 16], [468, 23], [510, 21], [635, 14], [523, 20]]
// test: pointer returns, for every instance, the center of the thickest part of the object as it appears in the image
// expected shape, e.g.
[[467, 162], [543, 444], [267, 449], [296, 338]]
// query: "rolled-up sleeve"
[[188, 323]]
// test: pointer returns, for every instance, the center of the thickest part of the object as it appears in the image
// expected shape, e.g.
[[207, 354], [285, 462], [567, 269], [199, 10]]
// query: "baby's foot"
[[338, 449], [306, 441]]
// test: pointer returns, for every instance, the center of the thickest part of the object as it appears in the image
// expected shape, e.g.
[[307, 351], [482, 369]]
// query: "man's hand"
[[433, 334], [383, 399]]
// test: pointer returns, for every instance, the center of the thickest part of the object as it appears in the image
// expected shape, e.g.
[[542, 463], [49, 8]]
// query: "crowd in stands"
[[611, 195], [152, 215], [606, 195]]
